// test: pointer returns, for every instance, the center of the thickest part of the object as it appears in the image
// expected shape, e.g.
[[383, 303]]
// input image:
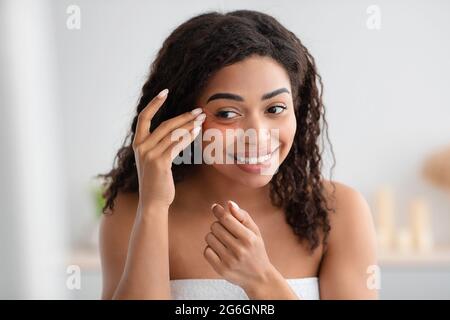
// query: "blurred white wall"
[[32, 197]]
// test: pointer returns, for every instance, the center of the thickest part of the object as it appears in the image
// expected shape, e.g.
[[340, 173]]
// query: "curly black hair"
[[191, 54]]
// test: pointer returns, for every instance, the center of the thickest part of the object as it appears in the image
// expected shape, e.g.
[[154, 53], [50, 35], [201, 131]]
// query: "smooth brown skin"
[[151, 239]]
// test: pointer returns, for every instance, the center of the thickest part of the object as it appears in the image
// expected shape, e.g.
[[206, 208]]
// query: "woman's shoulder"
[[115, 228], [125, 204], [351, 214], [351, 249], [116, 223], [342, 196]]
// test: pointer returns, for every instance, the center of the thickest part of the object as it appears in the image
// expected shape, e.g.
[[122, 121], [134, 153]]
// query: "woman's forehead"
[[251, 78]]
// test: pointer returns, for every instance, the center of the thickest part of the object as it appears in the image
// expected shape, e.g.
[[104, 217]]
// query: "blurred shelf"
[[89, 259], [438, 257]]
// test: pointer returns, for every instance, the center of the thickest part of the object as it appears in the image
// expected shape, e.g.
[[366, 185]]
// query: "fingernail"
[[163, 93], [196, 130], [213, 205], [235, 206], [196, 111], [201, 117]]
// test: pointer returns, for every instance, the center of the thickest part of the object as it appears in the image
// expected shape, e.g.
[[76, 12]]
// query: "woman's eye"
[[225, 114], [274, 109]]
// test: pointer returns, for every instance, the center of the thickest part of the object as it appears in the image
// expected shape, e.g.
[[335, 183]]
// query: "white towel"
[[221, 289]]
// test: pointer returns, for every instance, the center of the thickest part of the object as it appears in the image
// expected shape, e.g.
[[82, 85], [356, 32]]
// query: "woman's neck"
[[206, 186]]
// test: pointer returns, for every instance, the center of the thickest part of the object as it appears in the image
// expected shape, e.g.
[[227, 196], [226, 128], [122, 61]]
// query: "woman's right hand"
[[154, 152]]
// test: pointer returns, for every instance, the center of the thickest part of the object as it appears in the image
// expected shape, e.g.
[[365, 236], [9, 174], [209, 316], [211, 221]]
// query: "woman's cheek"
[[287, 134], [218, 129], [212, 123], [218, 126]]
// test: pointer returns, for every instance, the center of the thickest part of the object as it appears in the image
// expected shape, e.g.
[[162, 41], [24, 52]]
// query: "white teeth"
[[253, 160]]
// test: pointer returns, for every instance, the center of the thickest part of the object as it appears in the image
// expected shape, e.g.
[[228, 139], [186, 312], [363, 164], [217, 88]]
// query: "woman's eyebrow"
[[274, 93], [232, 96]]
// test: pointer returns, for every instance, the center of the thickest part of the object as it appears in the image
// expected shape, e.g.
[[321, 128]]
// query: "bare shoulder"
[[115, 230], [351, 249], [120, 219], [346, 201], [351, 222]]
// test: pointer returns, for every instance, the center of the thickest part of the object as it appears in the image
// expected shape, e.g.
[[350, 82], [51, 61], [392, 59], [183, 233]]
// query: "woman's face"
[[248, 107]]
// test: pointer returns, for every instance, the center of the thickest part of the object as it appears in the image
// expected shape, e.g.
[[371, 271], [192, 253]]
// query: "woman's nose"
[[257, 132]]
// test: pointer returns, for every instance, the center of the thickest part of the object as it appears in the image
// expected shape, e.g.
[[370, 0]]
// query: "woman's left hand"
[[235, 248]]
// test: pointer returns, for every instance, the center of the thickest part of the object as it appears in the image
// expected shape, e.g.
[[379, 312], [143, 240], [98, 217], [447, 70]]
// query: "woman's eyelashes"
[[229, 114], [281, 109], [223, 114]]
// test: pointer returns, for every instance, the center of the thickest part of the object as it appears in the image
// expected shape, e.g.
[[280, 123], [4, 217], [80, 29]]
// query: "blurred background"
[[70, 77]]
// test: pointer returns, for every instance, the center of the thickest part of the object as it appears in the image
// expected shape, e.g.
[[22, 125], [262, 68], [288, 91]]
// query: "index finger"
[[146, 115], [233, 225]]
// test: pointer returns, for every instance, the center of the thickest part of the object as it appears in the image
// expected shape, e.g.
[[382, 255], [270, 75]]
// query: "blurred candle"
[[420, 224], [404, 240], [385, 217]]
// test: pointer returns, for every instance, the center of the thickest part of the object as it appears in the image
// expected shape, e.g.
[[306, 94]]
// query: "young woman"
[[219, 230]]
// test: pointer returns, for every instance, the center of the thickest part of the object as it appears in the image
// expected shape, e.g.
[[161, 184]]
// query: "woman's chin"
[[256, 183], [252, 179]]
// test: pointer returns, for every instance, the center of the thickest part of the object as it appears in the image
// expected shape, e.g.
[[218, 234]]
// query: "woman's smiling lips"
[[254, 164]]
